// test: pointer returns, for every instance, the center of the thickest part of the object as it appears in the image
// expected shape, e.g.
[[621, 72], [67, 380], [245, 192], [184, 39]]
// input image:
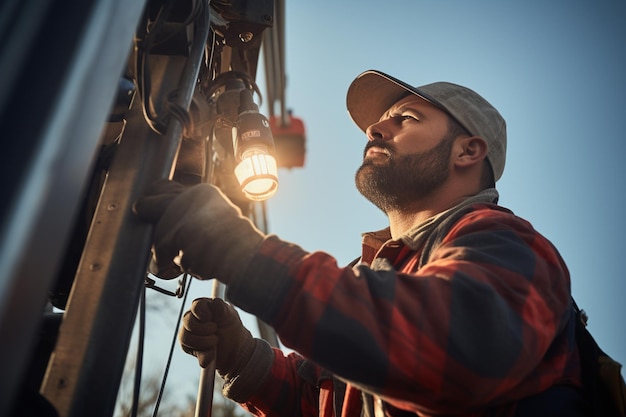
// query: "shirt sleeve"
[[485, 321], [292, 388]]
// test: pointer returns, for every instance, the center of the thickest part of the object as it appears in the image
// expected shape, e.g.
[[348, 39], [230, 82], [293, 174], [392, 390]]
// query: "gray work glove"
[[212, 329], [201, 228]]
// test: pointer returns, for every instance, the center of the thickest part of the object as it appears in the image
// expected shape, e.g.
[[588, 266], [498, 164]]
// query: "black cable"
[[140, 347], [156, 122], [246, 78], [143, 72], [178, 112], [173, 345], [197, 8]]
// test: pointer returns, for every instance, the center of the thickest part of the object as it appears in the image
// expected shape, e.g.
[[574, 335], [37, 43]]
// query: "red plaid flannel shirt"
[[484, 323]]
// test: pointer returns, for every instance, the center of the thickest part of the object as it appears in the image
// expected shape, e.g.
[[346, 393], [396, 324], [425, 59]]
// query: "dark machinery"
[[99, 98]]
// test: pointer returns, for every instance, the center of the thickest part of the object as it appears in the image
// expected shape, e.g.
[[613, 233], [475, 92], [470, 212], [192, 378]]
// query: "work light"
[[256, 171]]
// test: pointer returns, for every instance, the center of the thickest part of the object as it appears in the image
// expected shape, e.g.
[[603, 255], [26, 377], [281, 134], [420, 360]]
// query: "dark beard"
[[402, 181]]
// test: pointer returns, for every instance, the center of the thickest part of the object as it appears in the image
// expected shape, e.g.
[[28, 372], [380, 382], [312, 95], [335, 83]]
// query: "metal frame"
[[60, 66]]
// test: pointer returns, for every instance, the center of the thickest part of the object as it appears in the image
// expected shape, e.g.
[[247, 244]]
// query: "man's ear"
[[471, 150]]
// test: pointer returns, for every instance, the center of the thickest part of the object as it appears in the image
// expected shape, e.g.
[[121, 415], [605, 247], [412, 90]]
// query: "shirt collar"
[[415, 237]]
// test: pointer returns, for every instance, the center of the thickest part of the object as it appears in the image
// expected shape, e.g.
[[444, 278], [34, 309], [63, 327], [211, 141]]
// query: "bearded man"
[[458, 308]]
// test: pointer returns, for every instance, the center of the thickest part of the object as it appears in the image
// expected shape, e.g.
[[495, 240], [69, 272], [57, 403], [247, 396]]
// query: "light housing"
[[256, 170]]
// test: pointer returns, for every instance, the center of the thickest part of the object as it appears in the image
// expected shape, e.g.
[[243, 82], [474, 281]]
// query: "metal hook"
[[180, 290]]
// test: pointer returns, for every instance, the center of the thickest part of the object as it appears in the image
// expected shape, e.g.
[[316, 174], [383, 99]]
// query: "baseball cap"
[[373, 92]]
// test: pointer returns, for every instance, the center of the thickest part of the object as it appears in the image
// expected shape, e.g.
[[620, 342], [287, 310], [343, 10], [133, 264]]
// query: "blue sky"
[[555, 70]]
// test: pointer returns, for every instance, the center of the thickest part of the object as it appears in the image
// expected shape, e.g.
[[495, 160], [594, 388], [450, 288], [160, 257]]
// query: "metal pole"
[[204, 401]]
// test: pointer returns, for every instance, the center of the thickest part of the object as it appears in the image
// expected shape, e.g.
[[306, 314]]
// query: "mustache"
[[379, 143]]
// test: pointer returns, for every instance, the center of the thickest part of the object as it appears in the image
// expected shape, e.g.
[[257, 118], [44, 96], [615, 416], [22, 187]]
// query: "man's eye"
[[404, 116]]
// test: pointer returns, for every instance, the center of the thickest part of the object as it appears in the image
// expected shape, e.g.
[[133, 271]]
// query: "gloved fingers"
[[192, 325], [151, 206], [201, 228], [200, 308], [175, 236], [192, 342], [223, 313], [169, 271], [197, 336], [197, 251], [195, 260], [223, 203], [205, 358], [214, 199], [165, 254], [231, 240], [205, 354]]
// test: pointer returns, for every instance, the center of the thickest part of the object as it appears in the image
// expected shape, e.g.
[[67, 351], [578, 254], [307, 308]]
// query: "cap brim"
[[372, 93]]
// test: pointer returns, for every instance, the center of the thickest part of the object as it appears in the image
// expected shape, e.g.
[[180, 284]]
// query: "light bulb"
[[257, 174]]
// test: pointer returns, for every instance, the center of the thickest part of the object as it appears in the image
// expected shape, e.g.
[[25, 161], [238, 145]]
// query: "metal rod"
[[188, 83], [204, 401]]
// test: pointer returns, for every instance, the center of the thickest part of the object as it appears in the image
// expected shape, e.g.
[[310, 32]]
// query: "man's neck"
[[404, 219]]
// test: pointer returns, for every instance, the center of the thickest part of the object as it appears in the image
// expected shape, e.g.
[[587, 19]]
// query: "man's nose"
[[378, 130]]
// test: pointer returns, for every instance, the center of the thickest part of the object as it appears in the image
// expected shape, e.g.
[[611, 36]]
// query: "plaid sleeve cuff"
[[240, 387]]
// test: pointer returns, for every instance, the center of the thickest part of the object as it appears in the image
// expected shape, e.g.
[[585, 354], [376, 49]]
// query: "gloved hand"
[[212, 329], [201, 228]]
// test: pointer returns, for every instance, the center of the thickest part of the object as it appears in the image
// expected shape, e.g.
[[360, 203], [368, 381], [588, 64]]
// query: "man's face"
[[407, 157]]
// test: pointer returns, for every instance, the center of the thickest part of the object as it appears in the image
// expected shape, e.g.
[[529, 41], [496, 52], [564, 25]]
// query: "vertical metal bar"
[[204, 401], [280, 46], [274, 60], [85, 368]]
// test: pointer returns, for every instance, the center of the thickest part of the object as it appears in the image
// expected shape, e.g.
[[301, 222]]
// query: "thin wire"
[[172, 346], [140, 346]]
